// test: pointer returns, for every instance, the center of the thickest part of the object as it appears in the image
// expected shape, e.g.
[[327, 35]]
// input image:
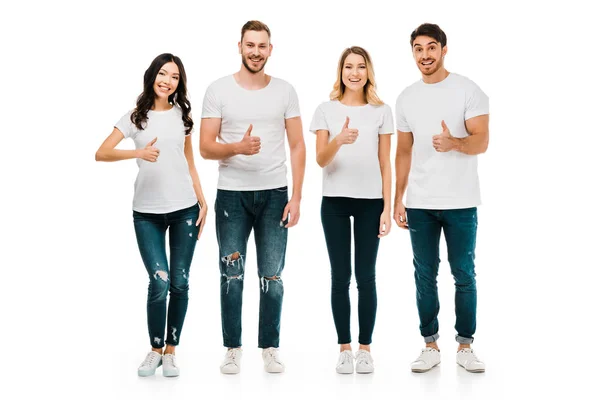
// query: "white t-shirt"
[[266, 109], [440, 181], [355, 170], [165, 185]]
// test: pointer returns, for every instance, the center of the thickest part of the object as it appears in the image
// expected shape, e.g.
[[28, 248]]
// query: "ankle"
[[158, 350], [462, 346], [170, 349], [365, 347], [432, 345], [344, 347]]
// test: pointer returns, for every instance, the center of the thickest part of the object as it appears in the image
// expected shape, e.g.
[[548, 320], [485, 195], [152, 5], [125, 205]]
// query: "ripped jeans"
[[167, 277], [237, 214]]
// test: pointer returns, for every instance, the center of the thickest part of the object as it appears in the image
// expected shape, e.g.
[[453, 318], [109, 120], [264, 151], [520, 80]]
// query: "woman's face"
[[166, 81], [354, 72]]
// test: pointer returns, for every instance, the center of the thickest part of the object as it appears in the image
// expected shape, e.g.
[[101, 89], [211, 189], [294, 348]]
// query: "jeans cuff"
[[463, 340], [432, 338]]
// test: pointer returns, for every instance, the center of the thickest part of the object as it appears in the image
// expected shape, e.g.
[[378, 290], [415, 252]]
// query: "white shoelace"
[[150, 359], [169, 359], [232, 356], [363, 358], [346, 358], [272, 356]]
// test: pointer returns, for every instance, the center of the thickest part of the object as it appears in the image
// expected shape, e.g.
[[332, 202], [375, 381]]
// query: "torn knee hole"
[[233, 258]]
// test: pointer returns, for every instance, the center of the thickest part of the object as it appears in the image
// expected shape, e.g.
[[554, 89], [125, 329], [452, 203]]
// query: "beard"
[[436, 66], [251, 69]]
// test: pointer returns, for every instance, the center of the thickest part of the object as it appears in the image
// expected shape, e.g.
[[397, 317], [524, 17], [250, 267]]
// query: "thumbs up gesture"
[[347, 135], [149, 153], [249, 145], [444, 141]]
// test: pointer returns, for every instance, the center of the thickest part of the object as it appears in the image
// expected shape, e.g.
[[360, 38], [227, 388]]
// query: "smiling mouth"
[[427, 63], [164, 88], [354, 80]]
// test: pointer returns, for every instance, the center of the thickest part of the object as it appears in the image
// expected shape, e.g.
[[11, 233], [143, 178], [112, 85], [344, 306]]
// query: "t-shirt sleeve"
[[387, 121], [293, 107], [318, 120], [477, 103], [401, 123], [211, 106], [126, 126]]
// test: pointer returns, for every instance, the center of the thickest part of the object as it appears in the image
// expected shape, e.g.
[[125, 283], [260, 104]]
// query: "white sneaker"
[[272, 362], [148, 367], [428, 359], [364, 362], [345, 364], [169, 365], [231, 363], [467, 359]]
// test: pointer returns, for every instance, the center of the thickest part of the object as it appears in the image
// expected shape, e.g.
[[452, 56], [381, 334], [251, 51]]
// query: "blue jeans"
[[460, 231], [237, 214], [167, 277]]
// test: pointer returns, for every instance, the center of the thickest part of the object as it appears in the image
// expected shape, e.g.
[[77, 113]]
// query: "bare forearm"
[[328, 153], [402, 169], [298, 158], [471, 145], [386, 178], [197, 186], [218, 151], [115, 155]]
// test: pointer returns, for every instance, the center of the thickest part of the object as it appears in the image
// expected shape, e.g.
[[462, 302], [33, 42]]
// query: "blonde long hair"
[[370, 88]]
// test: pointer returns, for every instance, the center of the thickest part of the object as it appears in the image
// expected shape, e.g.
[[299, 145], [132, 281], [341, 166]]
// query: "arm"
[[293, 127], [403, 159], [189, 156], [474, 144], [210, 149], [386, 177], [107, 151], [326, 150], [479, 134]]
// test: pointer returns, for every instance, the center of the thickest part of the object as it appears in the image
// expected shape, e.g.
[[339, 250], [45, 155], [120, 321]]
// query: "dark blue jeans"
[[460, 231], [237, 214], [167, 277], [335, 216]]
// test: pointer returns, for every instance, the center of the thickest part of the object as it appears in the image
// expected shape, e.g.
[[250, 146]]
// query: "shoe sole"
[[364, 372], [425, 370], [344, 372], [170, 374], [477, 371]]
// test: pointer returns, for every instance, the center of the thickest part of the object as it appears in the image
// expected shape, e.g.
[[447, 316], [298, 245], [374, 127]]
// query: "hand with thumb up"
[[444, 141], [347, 135], [249, 145], [149, 153]]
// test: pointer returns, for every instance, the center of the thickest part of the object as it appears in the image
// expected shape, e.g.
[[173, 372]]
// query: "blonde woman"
[[354, 133]]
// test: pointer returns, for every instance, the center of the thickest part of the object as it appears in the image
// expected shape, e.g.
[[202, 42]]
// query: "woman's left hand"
[[385, 224], [201, 219]]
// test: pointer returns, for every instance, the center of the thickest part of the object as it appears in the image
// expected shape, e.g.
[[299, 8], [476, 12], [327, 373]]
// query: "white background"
[[73, 284]]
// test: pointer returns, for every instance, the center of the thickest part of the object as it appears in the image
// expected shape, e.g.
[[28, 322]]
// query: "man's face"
[[255, 49]]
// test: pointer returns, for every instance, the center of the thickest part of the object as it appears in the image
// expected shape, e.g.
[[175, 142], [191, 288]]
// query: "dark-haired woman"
[[168, 196]]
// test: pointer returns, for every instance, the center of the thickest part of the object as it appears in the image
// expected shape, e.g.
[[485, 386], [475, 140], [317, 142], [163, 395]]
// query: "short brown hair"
[[255, 26], [429, 30]]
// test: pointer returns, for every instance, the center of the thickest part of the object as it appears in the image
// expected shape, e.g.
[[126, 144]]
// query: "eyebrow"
[[348, 63], [166, 72], [417, 44]]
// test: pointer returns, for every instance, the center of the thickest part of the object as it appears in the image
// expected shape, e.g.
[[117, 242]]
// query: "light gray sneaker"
[[148, 366], [364, 362], [231, 363], [345, 364], [467, 359], [169, 365], [271, 360], [428, 359]]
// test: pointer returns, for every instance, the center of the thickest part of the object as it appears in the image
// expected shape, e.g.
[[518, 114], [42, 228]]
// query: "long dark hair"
[[145, 101]]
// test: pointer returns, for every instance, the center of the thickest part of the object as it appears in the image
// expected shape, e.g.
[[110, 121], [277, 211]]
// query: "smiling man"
[[245, 117], [442, 123]]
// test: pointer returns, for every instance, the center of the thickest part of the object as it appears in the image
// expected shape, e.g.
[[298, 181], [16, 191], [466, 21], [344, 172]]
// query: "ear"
[[444, 50], [240, 47], [270, 48]]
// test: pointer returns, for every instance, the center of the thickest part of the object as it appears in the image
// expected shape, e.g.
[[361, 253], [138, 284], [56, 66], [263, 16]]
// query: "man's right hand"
[[400, 215], [249, 145]]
